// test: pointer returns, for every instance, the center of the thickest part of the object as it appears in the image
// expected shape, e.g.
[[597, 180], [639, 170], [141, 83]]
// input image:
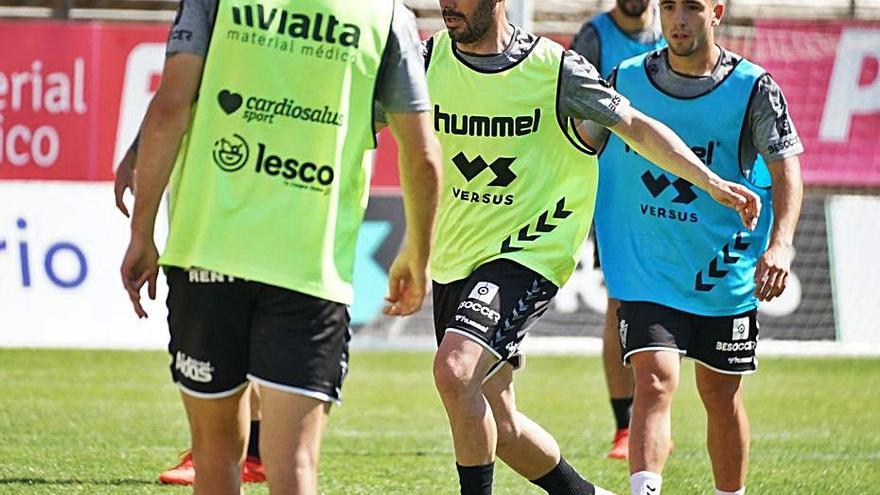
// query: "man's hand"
[[771, 274], [139, 267], [738, 197], [407, 284], [124, 180]]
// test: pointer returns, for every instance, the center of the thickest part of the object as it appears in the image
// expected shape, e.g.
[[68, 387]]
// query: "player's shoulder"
[[731, 60], [588, 32]]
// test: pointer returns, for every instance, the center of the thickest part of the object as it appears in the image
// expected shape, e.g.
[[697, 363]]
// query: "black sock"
[[476, 480], [622, 411], [564, 480], [253, 449]]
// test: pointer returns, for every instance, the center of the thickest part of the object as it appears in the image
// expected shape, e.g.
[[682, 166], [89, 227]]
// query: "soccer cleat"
[[253, 471], [620, 445], [182, 474]]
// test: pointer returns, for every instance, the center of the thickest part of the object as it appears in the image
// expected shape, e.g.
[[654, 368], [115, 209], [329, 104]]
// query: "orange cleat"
[[184, 473], [620, 445], [253, 471]]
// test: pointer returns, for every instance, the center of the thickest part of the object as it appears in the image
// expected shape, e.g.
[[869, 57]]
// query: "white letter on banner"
[[845, 97], [144, 62]]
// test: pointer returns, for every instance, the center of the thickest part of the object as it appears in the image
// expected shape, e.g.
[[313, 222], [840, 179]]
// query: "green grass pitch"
[[98, 422]]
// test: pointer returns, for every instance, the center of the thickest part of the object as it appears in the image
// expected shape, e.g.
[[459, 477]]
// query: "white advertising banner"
[[854, 238], [61, 245]]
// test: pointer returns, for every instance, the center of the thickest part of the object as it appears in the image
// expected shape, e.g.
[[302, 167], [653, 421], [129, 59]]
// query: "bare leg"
[[656, 380], [290, 440], [219, 434], [459, 368], [728, 427], [617, 376], [522, 444], [255, 402]]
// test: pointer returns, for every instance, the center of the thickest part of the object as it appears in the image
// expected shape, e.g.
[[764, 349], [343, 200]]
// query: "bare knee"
[[454, 375], [655, 385], [721, 395], [305, 460]]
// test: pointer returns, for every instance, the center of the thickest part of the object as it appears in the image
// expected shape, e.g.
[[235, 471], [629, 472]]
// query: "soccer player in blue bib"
[[688, 276], [629, 29]]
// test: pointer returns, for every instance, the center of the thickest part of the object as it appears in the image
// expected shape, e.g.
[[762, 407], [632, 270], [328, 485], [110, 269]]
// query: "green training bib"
[[272, 181], [515, 185]]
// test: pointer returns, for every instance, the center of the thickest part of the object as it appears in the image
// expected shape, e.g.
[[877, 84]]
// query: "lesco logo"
[[231, 154]]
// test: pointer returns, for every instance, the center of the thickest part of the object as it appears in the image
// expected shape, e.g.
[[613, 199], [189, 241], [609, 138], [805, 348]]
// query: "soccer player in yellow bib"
[[516, 203], [267, 195]]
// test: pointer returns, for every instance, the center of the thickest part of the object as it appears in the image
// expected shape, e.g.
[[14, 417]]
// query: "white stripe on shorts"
[[215, 395], [321, 396]]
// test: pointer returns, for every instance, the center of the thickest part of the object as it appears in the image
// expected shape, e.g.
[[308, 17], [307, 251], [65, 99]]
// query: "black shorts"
[[226, 331], [495, 306], [725, 344]]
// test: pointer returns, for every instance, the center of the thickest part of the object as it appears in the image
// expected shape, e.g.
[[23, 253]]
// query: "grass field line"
[[592, 346]]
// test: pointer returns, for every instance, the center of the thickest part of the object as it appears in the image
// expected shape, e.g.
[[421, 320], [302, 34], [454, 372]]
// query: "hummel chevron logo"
[[541, 227], [739, 244], [507, 248], [524, 236], [656, 186], [472, 168], [714, 271], [700, 286], [651, 489], [561, 212], [727, 259]]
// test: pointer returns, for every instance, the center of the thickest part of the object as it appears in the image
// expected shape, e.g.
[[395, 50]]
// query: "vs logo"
[[656, 186], [472, 168]]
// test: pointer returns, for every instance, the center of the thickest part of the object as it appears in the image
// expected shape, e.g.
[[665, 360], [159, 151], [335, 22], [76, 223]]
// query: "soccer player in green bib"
[[516, 203], [267, 194]]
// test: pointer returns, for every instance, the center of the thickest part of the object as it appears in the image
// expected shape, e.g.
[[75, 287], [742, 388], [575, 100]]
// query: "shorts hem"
[[719, 370], [211, 395], [493, 370], [477, 340], [321, 396], [653, 348]]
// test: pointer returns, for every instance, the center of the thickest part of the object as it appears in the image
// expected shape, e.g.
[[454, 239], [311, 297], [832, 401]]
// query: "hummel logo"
[[472, 168], [651, 489]]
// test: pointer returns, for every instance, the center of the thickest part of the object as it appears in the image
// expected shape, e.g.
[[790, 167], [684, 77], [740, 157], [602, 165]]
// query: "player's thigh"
[[291, 422], [499, 392], [718, 391], [726, 344], [208, 318], [650, 327], [299, 344], [496, 306]]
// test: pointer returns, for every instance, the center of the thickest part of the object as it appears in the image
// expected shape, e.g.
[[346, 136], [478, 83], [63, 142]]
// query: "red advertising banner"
[[47, 100], [829, 74], [72, 96], [62, 90]]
